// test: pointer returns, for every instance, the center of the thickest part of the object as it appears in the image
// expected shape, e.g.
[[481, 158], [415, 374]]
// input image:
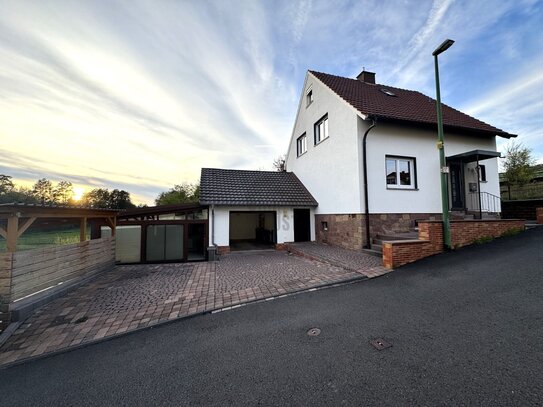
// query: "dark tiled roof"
[[262, 188], [407, 105]]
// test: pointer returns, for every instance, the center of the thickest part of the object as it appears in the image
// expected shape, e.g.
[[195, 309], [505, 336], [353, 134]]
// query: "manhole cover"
[[380, 344], [314, 332]]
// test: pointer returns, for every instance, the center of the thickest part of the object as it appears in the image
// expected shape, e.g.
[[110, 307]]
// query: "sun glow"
[[78, 193]]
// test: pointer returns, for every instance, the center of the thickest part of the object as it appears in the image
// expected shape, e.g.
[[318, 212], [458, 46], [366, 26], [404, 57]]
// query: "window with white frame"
[[309, 97], [301, 145], [321, 129], [401, 172]]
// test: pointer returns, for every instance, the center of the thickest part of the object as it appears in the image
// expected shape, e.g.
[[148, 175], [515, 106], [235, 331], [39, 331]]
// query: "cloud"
[[142, 95]]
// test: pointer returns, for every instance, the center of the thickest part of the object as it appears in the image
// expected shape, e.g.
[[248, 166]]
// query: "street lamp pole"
[[441, 147]]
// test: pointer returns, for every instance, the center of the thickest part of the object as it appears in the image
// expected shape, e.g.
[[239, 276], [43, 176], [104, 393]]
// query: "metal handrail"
[[489, 203]]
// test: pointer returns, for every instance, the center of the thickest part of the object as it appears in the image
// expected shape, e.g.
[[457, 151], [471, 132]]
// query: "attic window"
[[388, 92], [309, 98]]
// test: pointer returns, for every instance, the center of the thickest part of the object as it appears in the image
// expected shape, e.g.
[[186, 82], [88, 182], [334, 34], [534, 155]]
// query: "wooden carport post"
[[12, 233], [83, 230]]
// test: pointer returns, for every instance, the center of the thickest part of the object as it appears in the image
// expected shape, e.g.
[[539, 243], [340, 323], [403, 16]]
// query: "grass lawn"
[[34, 239]]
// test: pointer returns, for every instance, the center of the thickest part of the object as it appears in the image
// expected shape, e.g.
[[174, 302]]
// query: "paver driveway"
[[138, 296]]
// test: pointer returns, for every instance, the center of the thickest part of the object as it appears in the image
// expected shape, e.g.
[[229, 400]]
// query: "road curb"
[[318, 287]]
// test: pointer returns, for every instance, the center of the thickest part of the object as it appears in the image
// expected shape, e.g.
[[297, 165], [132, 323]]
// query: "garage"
[[254, 210], [254, 230]]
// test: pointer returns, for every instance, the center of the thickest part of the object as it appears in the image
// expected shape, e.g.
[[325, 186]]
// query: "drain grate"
[[380, 343], [314, 332]]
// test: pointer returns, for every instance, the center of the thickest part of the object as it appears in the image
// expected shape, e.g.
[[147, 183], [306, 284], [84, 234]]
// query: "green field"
[[35, 239]]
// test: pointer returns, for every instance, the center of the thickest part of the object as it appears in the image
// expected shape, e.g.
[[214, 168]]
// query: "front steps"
[[377, 241]]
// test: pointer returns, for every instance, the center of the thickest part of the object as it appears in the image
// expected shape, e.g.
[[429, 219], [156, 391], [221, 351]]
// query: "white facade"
[[332, 169], [219, 222], [329, 170]]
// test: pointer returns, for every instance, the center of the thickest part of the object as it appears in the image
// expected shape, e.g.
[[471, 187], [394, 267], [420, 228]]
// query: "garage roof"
[[252, 188]]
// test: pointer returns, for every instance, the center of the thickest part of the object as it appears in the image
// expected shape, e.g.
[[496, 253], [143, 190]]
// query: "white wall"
[[387, 139], [329, 170], [285, 223]]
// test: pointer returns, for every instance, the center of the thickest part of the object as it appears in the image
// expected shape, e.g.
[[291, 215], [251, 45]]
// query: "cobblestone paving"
[[241, 271], [132, 297], [366, 264]]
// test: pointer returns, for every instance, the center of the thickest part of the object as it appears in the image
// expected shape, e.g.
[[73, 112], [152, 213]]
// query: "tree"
[[18, 194], [104, 199], [518, 162], [280, 163], [63, 192], [6, 184], [43, 191], [96, 198], [120, 199], [181, 193]]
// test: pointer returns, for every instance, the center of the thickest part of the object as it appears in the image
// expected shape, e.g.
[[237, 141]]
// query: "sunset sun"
[[78, 193]]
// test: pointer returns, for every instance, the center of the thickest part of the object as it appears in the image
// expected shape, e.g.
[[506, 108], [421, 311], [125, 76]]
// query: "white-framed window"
[[321, 129], [301, 145], [401, 172], [309, 97]]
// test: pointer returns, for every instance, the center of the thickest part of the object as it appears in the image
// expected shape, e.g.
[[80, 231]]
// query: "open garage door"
[[253, 230]]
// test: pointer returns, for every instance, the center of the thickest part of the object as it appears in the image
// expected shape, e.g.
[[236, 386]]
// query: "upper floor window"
[[309, 98], [301, 145], [401, 172], [321, 129]]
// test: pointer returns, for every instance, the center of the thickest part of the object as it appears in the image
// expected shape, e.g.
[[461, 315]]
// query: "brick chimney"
[[366, 77]]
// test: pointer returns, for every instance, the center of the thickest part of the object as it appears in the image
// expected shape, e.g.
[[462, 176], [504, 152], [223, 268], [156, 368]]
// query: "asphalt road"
[[466, 329]]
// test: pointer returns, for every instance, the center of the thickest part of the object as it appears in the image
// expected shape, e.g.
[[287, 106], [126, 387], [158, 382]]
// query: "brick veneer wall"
[[430, 242], [539, 215], [223, 249], [348, 230]]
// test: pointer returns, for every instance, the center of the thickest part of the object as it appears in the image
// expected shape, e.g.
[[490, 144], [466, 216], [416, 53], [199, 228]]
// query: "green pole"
[[442, 165]]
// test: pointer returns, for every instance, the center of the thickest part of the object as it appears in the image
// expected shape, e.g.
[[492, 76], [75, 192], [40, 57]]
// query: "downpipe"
[[366, 197]]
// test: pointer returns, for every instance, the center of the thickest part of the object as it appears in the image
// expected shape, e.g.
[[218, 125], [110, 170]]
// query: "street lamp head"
[[443, 47]]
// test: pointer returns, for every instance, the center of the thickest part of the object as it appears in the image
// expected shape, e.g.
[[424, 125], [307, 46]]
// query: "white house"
[[347, 127]]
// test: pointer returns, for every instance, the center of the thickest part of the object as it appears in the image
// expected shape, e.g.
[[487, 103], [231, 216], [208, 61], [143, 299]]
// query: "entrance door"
[[302, 225], [196, 249], [457, 186]]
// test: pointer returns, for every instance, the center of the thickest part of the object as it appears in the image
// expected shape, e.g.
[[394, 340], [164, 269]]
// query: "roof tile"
[[263, 188], [406, 105]]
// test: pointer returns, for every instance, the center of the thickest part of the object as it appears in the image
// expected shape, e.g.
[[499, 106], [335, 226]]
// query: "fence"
[[33, 277]]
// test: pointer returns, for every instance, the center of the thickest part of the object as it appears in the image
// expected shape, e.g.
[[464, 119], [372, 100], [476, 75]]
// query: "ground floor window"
[[400, 172]]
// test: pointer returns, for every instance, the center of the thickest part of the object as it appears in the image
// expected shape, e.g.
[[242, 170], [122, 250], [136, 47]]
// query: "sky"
[[140, 95]]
